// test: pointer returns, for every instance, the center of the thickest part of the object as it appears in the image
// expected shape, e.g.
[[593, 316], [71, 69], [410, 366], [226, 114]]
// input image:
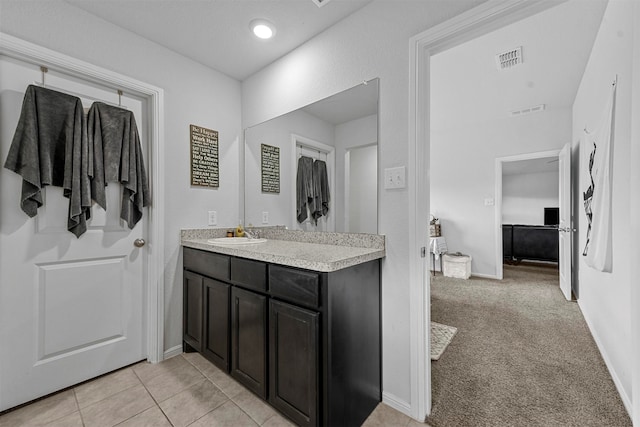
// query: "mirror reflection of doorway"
[[361, 189]]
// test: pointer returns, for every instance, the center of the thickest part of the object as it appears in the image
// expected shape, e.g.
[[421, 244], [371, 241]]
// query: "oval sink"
[[235, 241]]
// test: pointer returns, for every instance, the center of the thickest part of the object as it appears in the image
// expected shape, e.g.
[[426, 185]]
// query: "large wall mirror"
[[338, 134]]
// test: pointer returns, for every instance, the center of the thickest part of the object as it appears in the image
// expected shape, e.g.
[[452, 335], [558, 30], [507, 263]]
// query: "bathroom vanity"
[[295, 321]]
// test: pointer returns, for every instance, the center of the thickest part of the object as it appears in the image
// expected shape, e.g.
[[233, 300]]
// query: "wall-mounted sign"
[[270, 165], [204, 157]]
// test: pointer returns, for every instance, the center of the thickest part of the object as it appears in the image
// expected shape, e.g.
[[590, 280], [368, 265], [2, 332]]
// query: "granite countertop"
[[323, 252]]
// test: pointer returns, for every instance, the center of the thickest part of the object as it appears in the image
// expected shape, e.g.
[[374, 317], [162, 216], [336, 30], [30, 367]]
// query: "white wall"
[[605, 297], [357, 133], [340, 58], [194, 94], [524, 197], [277, 132], [463, 175]]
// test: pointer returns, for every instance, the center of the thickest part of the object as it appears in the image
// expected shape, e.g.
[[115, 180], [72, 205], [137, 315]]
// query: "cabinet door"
[[293, 362], [248, 340], [192, 310], [215, 343]]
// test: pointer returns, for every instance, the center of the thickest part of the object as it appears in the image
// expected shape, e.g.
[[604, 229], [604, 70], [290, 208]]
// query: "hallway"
[[522, 356]]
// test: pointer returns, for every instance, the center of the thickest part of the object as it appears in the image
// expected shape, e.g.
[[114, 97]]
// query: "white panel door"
[[565, 228], [70, 308]]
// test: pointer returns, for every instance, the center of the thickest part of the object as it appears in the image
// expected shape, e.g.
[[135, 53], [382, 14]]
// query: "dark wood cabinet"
[[215, 341], [530, 242], [293, 362], [192, 306], [307, 342], [249, 340]]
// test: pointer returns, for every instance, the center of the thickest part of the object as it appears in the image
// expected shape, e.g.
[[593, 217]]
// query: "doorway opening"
[[469, 26], [526, 194]]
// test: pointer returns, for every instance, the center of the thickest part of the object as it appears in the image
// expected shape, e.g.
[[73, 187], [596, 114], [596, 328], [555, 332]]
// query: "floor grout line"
[[75, 395], [104, 398], [152, 397], [229, 398]]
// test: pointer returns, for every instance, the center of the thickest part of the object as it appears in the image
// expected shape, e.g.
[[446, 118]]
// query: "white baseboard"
[[626, 400], [173, 351], [484, 276], [396, 403]]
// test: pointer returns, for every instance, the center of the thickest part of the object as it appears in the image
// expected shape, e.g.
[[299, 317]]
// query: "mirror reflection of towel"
[[50, 147], [304, 188], [321, 190], [116, 154]]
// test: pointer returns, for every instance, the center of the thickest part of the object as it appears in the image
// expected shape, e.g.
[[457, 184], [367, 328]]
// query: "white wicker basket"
[[456, 265]]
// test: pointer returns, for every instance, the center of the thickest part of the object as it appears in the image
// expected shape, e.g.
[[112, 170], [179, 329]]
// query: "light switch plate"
[[265, 217], [395, 178]]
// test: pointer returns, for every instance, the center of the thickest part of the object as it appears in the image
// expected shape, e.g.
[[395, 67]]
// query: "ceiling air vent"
[[320, 3], [509, 59], [528, 110]]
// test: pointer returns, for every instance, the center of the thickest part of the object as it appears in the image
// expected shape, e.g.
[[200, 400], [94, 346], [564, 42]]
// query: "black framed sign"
[[270, 166], [204, 157]]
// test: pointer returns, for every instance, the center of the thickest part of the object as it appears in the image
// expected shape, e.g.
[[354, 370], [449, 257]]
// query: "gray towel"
[[114, 147], [304, 187], [50, 147], [320, 190]]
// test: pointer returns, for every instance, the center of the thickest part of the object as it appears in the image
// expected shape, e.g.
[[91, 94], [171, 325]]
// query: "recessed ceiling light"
[[262, 28]]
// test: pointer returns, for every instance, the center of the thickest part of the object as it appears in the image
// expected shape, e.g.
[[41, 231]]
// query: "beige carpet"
[[441, 336], [523, 356]]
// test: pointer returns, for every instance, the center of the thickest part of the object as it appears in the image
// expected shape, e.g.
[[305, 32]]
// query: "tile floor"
[[185, 390]]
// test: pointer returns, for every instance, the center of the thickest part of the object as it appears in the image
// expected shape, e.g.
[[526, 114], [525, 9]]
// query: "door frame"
[[14, 47], [473, 23], [498, 198], [635, 227]]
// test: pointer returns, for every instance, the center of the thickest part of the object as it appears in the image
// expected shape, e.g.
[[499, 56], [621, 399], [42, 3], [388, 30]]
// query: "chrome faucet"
[[253, 234]]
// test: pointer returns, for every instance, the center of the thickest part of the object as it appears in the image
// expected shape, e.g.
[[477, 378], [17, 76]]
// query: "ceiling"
[[216, 32], [467, 88], [540, 165], [351, 104]]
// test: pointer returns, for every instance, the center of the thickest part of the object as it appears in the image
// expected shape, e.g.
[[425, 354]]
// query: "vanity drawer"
[[249, 274], [296, 286], [206, 263]]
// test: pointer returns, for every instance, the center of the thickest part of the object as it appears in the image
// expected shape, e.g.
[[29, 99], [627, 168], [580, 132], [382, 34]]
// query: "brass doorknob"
[[138, 243]]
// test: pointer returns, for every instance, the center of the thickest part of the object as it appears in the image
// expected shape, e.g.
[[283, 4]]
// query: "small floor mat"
[[441, 336]]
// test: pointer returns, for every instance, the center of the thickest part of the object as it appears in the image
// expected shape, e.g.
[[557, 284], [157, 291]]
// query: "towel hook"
[[44, 71], [119, 98]]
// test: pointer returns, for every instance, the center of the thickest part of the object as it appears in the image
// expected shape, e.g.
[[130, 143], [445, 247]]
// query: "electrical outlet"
[[213, 218], [489, 202], [265, 217]]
